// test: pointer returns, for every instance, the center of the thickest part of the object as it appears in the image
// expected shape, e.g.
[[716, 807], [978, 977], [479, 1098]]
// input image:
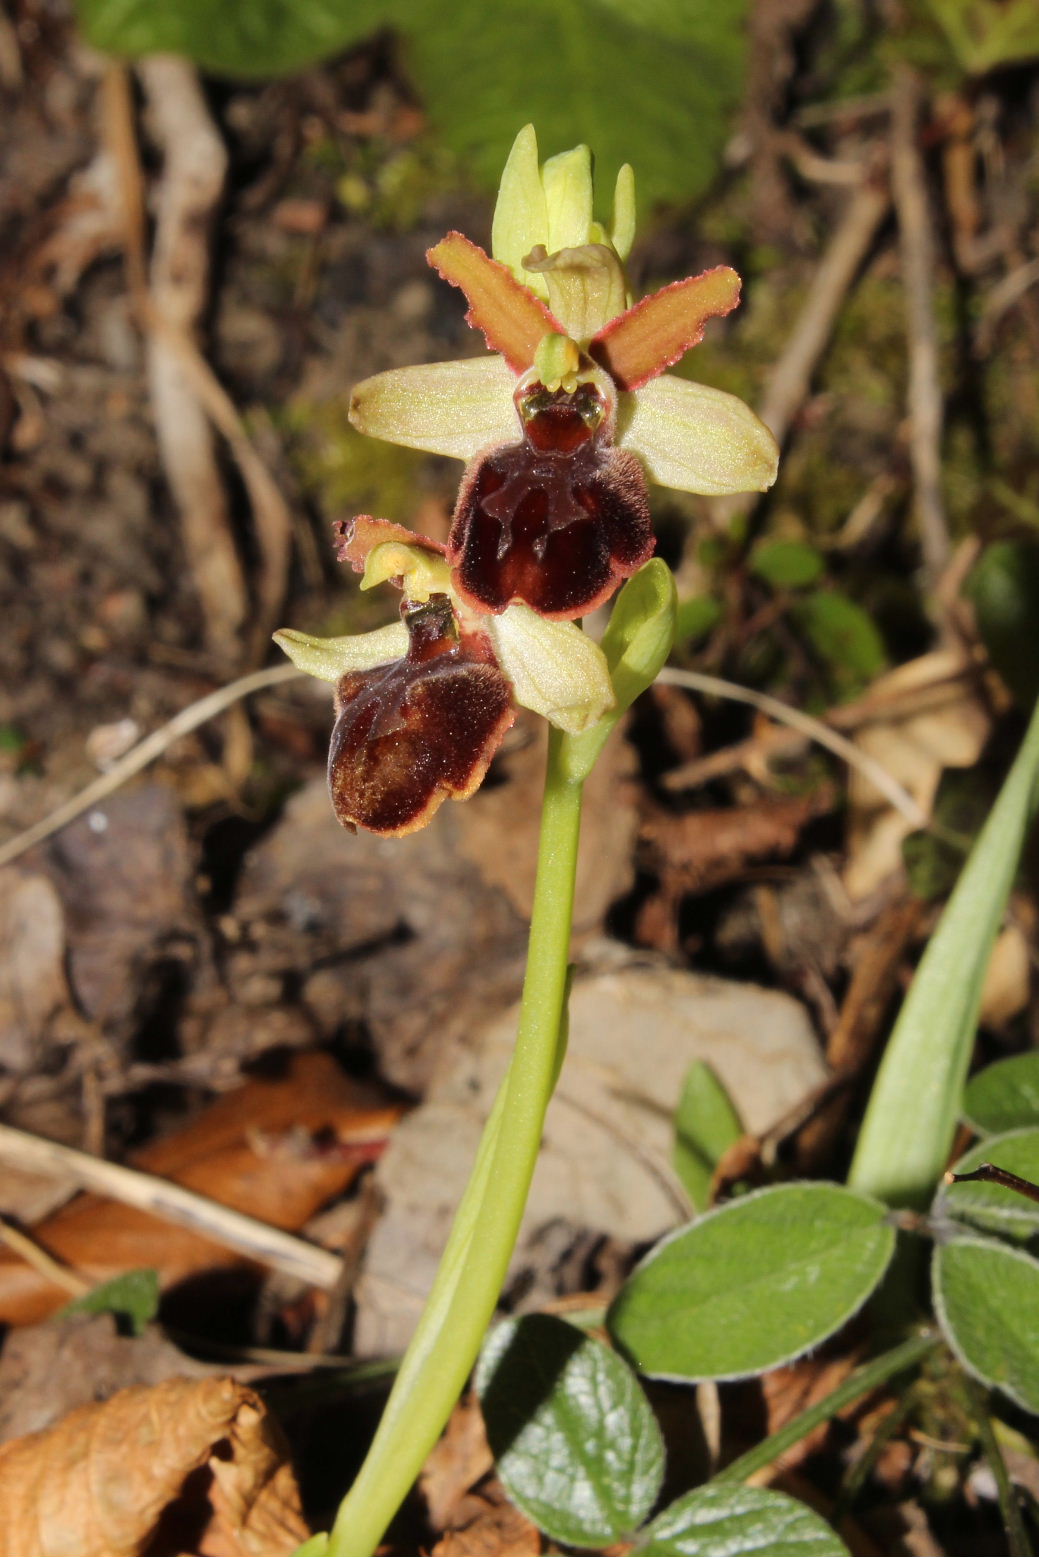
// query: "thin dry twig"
[[791, 378], [781, 740], [49, 1268], [916, 241], [147, 751], [814, 729], [189, 191], [173, 1203]]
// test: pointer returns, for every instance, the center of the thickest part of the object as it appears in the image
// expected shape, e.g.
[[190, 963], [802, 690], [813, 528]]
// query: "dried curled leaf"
[[201, 1457]]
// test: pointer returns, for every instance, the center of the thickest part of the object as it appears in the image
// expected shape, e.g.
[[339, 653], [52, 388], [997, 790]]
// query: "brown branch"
[[916, 241]]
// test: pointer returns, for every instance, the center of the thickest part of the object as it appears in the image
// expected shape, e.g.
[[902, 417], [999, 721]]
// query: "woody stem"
[[473, 1267]]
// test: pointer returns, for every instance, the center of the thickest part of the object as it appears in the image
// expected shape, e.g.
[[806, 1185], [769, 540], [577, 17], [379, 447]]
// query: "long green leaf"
[[915, 1104]]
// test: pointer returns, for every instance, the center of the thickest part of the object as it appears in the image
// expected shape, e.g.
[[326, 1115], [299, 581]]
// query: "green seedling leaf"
[[133, 1297], [753, 1284], [787, 564], [706, 1125], [734, 1521], [262, 38], [986, 34], [696, 617], [576, 1445], [915, 1104], [636, 643], [1004, 1096], [992, 1208], [1004, 587], [844, 636], [986, 1298]]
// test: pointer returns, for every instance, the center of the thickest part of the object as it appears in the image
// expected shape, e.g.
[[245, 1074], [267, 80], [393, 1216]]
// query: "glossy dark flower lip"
[[558, 519], [423, 728]]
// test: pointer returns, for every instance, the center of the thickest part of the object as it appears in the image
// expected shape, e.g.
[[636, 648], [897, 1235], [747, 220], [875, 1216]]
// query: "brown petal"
[[357, 537], [409, 734], [556, 533], [641, 343], [512, 319]]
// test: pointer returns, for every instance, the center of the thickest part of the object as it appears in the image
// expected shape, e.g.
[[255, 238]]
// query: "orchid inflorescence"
[[559, 428]]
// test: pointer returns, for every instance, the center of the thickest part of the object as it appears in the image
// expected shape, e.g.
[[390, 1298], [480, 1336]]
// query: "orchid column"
[[560, 429]]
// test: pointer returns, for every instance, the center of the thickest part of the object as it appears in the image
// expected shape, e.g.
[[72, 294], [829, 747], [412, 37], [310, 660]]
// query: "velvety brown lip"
[[425, 727]]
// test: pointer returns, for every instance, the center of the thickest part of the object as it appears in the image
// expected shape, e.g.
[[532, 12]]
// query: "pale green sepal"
[[330, 658], [453, 408], [636, 644], [567, 182], [697, 439], [554, 667], [423, 572], [622, 232], [521, 214]]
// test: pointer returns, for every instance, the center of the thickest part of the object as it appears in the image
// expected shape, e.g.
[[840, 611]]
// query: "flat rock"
[[636, 1024]]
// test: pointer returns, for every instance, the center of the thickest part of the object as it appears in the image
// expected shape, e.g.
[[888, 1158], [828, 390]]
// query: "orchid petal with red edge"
[[640, 343], [452, 408], [511, 318], [697, 439]]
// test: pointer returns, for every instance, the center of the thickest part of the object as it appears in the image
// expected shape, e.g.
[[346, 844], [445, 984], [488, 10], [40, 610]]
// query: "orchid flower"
[[422, 704], [561, 427]]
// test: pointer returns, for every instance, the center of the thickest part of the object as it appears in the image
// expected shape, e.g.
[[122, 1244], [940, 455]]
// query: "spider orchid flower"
[[562, 425], [422, 704]]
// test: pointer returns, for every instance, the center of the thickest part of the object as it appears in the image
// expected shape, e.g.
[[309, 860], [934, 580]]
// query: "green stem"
[[1006, 1493], [869, 1377], [473, 1268]]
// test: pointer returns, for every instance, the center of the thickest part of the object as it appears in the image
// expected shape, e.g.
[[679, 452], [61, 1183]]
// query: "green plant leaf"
[[753, 1284], [986, 34], [1004, 587], [612, 74], [733, 1521], [696, 617], [787, 564], [576, 1445], [132, 1296], [844, 636], [992, 1208], [915, 1104], [260, 38], [636, 643], [1004, 1096], [607, 72], [706, 1125], [986, 1298]]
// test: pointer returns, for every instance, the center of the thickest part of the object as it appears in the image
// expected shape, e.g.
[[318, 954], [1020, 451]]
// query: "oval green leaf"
[[992, 1208], [754, 1284], [739, 1522], [576, 1445], [706, 1125], [986, 1298], [787, 564], [1004, 1096]]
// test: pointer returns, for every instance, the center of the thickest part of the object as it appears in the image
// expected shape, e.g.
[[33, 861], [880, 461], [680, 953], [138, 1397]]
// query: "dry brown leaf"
[[496, 1529], [914, 748], [32, 965], [199, 1459], [277, 1149], [460, 1459]]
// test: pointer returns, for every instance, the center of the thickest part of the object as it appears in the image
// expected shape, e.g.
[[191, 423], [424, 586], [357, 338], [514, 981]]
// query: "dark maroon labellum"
[[410, 733], [556, 520]]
